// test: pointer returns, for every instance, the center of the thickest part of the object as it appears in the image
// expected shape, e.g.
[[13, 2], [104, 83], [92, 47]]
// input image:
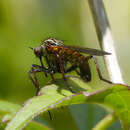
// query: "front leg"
[[49, 67], [35, 69], [42, 65], [34, 80]]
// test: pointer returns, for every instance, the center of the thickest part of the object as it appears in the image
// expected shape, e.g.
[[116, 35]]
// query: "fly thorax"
[[44, 51]]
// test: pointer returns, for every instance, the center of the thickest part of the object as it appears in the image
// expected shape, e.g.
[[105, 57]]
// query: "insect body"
[[58, 55], [72, 56]]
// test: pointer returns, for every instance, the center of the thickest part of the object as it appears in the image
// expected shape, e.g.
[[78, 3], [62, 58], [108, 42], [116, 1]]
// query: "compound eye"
[[37, 51]]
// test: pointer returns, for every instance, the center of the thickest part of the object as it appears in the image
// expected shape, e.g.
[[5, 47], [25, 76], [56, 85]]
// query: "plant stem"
[[105, 122], [106, 40]]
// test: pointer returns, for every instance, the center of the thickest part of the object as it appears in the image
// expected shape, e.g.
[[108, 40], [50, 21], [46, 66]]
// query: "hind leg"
[[98, 70]]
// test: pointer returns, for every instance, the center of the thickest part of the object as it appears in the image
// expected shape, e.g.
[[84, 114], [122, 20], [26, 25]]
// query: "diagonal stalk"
[[106, 40]]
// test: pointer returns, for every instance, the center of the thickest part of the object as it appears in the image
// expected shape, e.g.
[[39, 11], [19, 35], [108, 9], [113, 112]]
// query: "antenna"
[[31, 48]]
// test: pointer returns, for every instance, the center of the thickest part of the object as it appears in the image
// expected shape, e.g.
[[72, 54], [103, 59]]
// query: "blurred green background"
[[26, 23]]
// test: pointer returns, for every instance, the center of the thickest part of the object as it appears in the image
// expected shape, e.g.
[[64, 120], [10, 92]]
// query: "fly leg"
[[73, 67], [34, 70], [63, 71], [49, 67], [98, 70], [42, 65], [35, 80]]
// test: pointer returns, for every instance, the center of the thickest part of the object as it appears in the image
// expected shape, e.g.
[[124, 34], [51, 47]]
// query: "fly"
[[58, 55]]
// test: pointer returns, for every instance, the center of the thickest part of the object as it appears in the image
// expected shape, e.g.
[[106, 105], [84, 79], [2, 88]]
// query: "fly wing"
[[88, 50]]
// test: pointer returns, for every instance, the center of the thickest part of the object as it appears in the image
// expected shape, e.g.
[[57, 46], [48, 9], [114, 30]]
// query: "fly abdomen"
[[85, 72], [74, 57]]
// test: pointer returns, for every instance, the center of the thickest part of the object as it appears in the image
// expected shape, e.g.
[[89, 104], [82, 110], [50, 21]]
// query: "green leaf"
[[7, 107], [8, 110], [60, 117], [52, 96], [116, 97], [6, 118], [36, 126]]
